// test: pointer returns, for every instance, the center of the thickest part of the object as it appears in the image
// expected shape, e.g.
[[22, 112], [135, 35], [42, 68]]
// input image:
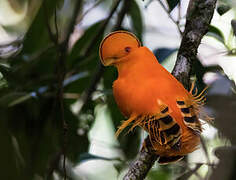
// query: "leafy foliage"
[[223, 8], [216, 33], [136, 17], [32, 133]]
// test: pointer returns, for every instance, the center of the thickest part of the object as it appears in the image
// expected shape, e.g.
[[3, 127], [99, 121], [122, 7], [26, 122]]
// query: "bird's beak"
[[109, 61]]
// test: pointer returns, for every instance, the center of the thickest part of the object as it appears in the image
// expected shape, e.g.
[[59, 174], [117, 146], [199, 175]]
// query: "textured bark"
[[199, 15], [140, 167]]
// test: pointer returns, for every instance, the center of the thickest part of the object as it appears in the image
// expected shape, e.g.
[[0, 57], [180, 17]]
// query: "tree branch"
[[141, 166], [199, 15]]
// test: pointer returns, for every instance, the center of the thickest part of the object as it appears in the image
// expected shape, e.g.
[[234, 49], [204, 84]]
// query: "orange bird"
[[150, 97]]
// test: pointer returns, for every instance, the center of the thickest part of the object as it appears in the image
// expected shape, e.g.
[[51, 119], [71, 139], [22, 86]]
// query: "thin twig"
[[172, 19], [41, 52], [121, 14], [71, 25], [56, 25], [204, 147], [190, 172], [88, 10]]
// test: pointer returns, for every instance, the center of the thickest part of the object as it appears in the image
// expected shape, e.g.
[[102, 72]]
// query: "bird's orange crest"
[[117, 45]]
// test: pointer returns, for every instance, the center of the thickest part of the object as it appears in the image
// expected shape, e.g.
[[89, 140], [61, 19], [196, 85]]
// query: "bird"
[[152, 98]]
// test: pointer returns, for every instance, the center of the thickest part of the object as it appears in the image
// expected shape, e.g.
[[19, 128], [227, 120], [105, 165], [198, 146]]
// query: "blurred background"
[[56, 98]]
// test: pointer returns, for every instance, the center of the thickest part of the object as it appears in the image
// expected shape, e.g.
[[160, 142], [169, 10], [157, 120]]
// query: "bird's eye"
[[127, 49]]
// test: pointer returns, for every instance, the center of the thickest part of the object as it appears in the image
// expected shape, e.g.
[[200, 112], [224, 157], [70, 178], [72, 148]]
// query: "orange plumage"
[[152, 98]]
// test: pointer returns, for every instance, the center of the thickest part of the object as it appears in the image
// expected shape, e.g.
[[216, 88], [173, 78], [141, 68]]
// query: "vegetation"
[[58, 115]]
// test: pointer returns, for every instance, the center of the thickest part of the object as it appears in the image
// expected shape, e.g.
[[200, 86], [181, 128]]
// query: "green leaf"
[[162, 53], [172, 4], [136, 17], [87, 156], [162, 172], [14, 98], [87, 68], [34, 71], [216, 33], [223, 8], [3, 81], [32, 125], [189, 173], [37, 36], [9, 161], [84, 41], [76, 143]]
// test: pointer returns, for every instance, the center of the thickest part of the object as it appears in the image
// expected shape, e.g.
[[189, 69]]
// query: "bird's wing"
[[189, 111], [162, 127]]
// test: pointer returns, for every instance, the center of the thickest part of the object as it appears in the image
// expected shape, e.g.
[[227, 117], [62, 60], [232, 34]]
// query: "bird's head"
[[117, 45]]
